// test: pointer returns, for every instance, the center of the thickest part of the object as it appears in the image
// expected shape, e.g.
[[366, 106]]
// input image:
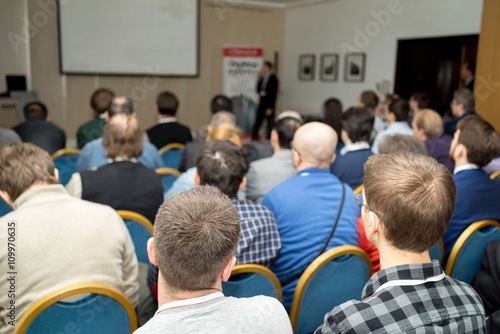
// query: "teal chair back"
[[437, 251], [65, 161], [467, 253], [249, 280], [140, 229], [172, 155], [4, 208], [103, 310], [168, 177], [333, 278]]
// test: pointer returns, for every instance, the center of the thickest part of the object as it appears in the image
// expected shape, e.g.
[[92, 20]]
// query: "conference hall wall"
[[67, 96]]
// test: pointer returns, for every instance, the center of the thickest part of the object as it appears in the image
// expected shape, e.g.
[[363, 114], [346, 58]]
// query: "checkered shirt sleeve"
[[445, 306], [259, 239]]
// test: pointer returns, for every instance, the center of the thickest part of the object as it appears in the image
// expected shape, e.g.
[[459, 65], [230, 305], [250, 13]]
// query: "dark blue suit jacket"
[[478, 198], [349, 168]]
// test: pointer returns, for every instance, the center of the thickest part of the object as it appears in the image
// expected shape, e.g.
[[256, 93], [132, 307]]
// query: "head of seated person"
[[426, 124], [166, 104], [100, 100], [368, 99], [227, 132], [35, 110], [283, 132], [314, 146], [119, 104], [24, 166], [402, 143], [357, 125], [122, 138], [221, 103], [398, 111]]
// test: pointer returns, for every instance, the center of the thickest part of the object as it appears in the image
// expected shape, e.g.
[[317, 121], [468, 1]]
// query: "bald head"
[[315, 144]]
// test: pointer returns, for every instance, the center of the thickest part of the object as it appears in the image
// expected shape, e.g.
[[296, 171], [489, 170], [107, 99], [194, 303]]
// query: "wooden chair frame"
[[171, 146], [469, 231], [358, 190], [495, 175], [259, 269], [76, 289], [316, 265], [65, 151], [125, 214]]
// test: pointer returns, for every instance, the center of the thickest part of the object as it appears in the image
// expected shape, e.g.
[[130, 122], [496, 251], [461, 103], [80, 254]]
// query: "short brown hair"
[[429, 121], [465, 97], [413, 195], [122, 137], [402, 143], [167, 103], [100, 99], [370, 99], [222, 164], [22, 165], [196, 233], [400, 108], [480, 139]]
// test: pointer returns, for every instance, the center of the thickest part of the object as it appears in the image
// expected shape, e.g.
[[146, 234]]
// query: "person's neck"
[[161, 116], [305, 166], [461, 161], [166, 295], [391, 257]]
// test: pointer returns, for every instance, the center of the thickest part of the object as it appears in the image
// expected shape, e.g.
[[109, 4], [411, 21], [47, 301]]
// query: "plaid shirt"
[[259, 239], [441, 306]]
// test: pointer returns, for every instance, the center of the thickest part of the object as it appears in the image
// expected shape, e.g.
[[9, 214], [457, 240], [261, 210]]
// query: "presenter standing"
[[268, 90]]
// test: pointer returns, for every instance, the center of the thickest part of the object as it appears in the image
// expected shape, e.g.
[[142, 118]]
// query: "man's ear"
[[56, 173], [461, 151], [333, 158], [228, 268], [106, 116], [196, 178], [274, 137], [6, 197], [373, 223], [243, 183], [151, 251]]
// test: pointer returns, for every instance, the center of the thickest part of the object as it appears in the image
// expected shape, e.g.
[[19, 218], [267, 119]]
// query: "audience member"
[[93, 154], [474, 144], [305, 206], [196, 235], [192, 148], [380, 123], [357, 127], [467, 74], [168, 130], [267, 173], [462, 105], [427, 126], [218, 103], [37, 129], [59, 240], [410, 294], [8, 136], [262, 149], [186, 180], [391, 144], [419, 100], [123, 183], [370, 100], [99, 101], [332, 115], [396, 116]]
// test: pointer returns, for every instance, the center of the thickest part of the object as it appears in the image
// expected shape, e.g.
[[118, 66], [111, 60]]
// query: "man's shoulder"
[[246, 207]]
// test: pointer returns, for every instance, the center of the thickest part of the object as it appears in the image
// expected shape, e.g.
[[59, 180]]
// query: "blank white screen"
[[129, 37]]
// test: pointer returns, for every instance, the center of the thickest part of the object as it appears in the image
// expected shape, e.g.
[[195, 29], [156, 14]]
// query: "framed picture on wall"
[[329, 66], [355, 67], [306, 67]]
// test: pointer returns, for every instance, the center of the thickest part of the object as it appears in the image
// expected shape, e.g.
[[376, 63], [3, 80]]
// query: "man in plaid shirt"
[[223, 164], [408, 201]]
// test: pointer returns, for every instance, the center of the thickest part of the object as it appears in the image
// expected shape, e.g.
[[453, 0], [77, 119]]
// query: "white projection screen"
[[129, 37]]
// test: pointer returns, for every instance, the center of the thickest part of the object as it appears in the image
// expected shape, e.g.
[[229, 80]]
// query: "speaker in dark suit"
[[267, 88]]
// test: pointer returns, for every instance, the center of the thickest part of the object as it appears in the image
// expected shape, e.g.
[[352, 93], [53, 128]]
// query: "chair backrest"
[[437, 251], [358, 190], [331, 279], [496, 176], [172, 154], [168, 177], [65, 161], [248, 280], [467, 253], [104, 310], [140, 229], [4, 208]]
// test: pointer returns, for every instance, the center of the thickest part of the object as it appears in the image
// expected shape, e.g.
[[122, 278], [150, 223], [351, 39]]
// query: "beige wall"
[[67, 96]]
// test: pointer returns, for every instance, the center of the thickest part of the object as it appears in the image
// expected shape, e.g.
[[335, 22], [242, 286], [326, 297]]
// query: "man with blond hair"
[[314, 210], [196, 236], [58, 240], [407, 203], [427, 126]]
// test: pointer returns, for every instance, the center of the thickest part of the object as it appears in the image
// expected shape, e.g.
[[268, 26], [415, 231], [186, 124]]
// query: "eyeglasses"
[[359, 200]]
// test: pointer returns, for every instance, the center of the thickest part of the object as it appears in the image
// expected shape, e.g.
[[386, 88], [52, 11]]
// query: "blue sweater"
[[305, 207], [349, 168], [478, 198]]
